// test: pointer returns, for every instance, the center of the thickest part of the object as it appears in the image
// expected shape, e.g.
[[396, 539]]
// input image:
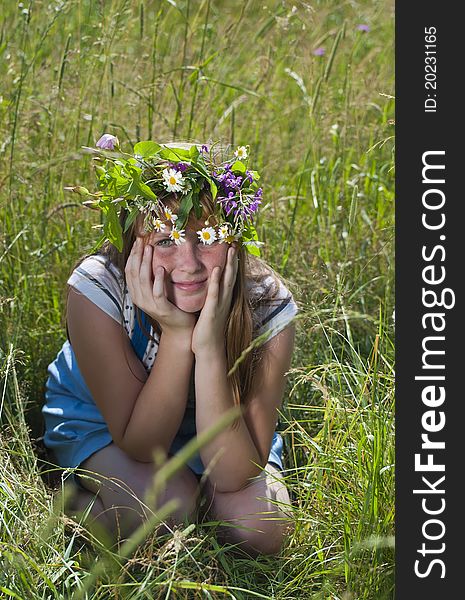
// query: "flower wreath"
[[138, 182]]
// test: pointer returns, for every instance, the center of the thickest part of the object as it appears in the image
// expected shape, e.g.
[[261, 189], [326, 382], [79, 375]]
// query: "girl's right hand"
[[150, 294]]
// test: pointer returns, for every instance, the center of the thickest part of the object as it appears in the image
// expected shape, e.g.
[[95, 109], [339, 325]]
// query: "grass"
[[320, 129]]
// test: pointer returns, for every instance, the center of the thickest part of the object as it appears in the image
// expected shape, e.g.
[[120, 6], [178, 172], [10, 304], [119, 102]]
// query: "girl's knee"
[[257, 536], [126, 489]]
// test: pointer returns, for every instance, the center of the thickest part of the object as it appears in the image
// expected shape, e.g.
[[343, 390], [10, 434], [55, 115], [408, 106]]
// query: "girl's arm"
[[142, 411], [234, 451]]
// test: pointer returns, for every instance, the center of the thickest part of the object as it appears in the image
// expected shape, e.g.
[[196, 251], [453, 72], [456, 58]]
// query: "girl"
[[157, 320]]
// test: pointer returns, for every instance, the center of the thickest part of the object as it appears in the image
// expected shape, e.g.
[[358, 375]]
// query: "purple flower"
[[249, 176], [180, 166], [319, 51], [107, 142], [362, 27], [205, 148], [229, 181]]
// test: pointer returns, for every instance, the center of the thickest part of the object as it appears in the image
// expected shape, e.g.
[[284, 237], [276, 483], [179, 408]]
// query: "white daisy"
[[230, 238], [178, 236], [169, 215], [241, 152], [159, 225], [173, 180], [223, 231], [207, 235], [226, 235]]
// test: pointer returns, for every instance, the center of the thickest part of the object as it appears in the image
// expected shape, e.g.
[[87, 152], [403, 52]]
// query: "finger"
[[230, 274], [159, 283], [132, 269], [213, 287], [145, 273], [132, 258]]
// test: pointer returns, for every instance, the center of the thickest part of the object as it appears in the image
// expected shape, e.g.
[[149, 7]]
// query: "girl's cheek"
[[216, 253]]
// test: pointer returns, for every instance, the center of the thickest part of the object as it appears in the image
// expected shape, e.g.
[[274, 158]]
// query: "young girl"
[[156, 320]]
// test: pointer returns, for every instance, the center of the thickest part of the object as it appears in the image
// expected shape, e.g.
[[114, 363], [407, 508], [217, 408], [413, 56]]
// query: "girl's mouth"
[[189, 286]]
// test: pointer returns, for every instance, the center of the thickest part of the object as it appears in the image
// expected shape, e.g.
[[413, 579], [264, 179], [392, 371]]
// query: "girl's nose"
[[189, 256]]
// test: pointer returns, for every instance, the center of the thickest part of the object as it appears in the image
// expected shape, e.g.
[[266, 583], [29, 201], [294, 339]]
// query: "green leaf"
[[194, 152], [250, 235], [175, 154], [253, 250], [147, 149], [184, 209], [213, 188], [197, 206], [131, 218], [112, 227], [146, 191], [238, 167]]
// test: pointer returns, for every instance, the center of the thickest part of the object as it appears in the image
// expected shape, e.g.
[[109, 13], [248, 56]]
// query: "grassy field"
[[309, 86]]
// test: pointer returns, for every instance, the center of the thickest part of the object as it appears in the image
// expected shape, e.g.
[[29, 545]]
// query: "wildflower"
[[207, 235], [319, 51], [226, 235], [187, 187], [253, 244], [229, 239], [241, 152], [205, 148], [159, 225], [107, 142], [173, 180], [178, 236], [364, 28], [249, 176], [223, 231], [179, 166], [169, 215]]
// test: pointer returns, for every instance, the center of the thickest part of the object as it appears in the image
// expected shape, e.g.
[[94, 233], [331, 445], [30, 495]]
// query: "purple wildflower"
[[363, 27], [107, 142], [319, 51], [229, 181], [205, 148], [180, 166], [249, 176]]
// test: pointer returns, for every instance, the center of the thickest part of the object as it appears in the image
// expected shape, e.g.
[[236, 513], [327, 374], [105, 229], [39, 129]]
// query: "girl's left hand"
[[209, 330]]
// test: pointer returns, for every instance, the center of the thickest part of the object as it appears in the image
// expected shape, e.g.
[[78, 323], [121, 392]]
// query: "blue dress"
[[74, 426]]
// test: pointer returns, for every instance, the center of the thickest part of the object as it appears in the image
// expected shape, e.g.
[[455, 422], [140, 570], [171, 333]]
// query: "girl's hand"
[[150, 294], [210, 328]]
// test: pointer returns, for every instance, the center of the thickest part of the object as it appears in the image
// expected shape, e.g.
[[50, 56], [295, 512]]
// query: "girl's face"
[[188, 267]]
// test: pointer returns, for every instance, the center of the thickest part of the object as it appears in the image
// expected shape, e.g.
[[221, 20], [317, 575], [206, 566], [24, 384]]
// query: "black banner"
[[429, 301]]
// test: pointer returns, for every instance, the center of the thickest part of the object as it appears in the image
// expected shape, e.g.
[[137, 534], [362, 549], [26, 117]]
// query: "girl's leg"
[[80, 503], [260, 514], [122, 484]]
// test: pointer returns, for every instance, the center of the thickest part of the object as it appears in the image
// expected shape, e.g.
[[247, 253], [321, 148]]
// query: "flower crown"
[[138, 182]]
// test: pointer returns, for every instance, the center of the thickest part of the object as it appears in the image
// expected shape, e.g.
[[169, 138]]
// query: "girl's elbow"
[[137, 451]]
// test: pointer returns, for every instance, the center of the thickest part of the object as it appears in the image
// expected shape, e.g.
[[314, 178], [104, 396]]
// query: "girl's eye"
[[165, 242]]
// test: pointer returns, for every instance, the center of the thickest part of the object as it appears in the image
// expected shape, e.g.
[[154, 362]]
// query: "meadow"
[[309, 85]]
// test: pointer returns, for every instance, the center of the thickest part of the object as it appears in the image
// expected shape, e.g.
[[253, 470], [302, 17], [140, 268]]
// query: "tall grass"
[[320, 130]]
